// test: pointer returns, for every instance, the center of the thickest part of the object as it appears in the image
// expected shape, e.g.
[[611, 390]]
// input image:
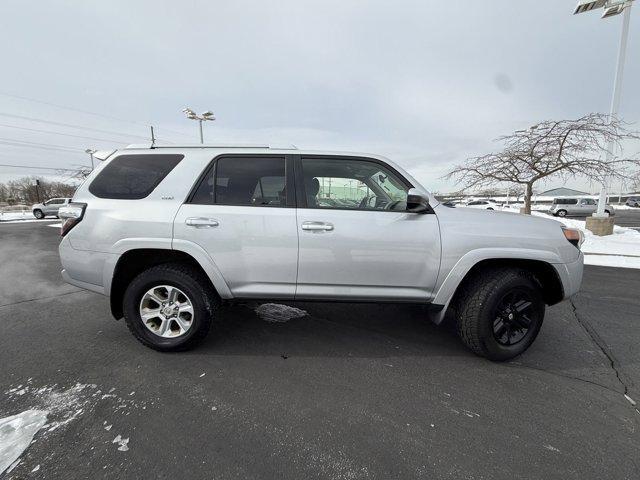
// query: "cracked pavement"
[[349, 391]]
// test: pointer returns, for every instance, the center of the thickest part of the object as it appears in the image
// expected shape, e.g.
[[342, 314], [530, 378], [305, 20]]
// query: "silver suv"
[[577, 207], [50, 207], [170, 233]]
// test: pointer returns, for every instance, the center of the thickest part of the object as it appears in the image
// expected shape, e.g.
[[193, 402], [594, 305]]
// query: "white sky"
[[426, 83]]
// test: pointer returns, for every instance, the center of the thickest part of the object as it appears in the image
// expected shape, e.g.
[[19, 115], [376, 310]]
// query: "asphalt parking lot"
[[349, 391]]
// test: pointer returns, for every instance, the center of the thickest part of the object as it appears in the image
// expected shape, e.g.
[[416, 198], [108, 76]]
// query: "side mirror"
[[417, 202]]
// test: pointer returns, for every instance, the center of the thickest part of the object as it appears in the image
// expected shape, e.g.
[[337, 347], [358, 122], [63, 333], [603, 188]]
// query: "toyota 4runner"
[[170, 233]]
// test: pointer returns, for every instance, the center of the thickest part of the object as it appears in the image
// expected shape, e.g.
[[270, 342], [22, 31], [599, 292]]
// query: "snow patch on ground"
[[57, 408], [16, 434], [55, 225], [122, 443], [277, 313], [21, 217], [622, 249]]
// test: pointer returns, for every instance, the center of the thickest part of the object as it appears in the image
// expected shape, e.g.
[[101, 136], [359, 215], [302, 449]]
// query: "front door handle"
[[201, 222], [317, 226]]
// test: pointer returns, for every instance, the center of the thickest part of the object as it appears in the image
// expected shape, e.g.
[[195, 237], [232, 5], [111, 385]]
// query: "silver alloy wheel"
[[166, 311]]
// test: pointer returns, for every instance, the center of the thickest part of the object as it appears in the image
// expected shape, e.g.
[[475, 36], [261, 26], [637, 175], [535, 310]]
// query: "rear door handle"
[[317, 226], [201, 222]]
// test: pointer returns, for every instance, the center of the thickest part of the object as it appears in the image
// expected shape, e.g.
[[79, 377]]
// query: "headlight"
[[575, 236]]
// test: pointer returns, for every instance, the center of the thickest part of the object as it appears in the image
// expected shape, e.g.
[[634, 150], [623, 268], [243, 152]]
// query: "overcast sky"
[[426, 83]]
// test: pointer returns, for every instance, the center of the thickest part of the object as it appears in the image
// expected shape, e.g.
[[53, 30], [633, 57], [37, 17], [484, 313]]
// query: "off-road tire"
[[474, 311], [193, 283]]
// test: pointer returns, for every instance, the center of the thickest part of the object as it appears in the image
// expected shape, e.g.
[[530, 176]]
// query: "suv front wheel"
[[499, 312], [170, 307]]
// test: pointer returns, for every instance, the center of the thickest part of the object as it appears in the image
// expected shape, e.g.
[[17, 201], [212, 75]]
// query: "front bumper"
[[571, 275]]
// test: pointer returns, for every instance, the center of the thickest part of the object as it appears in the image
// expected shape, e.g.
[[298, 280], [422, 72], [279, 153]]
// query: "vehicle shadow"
[[333, 330], [390, 330]]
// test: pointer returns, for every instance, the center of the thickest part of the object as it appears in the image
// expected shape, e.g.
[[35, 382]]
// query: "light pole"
[[90, 152], [611, 8], [208, 115]]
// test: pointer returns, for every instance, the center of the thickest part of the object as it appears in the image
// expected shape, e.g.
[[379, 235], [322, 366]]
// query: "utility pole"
[[611, 8], [208, 115]]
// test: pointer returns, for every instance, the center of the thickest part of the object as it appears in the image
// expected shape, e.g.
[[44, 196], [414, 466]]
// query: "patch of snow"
[[277, 313], [122, 442], [36, 468], [16, 434], [20, 217], [621, 249], [55, 225], [551, 447], [202, 375]]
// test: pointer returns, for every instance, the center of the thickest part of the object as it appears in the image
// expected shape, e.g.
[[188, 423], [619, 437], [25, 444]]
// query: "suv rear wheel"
[[499, 313], [38, 214], [170, 307]]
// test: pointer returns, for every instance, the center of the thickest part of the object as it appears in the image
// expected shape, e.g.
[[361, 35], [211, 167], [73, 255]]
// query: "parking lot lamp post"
[[90, 152], [611, 8], [208, 115]]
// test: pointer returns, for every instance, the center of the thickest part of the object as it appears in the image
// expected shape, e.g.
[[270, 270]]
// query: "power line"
[[44, 168], [63, 134], [60, 124], [51, 149], [88, 112], [40, 144]]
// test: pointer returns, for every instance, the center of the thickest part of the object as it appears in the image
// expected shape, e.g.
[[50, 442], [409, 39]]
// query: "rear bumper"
[[84, 268], [87, 286]]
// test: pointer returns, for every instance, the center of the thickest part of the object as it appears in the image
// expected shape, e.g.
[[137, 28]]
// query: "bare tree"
[[566, 148], [24, 190]]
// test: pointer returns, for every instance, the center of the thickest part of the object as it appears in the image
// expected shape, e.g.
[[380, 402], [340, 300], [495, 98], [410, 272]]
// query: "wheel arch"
[[545, 274], [134, 261]]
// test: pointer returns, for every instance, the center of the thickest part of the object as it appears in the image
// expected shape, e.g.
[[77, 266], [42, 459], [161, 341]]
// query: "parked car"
[[49, 208], [566, 207], [484, 204], [171, 233], [633, 202]]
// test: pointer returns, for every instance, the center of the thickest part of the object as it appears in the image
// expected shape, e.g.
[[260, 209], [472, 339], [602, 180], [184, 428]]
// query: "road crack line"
[[41, 298], [606, 351]]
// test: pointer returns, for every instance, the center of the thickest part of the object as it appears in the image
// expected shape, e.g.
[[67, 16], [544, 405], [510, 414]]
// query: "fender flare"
[[207, 264], [448, 287], [194, 250]]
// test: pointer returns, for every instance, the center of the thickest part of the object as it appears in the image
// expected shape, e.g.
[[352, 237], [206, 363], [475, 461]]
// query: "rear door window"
[[132, 177], [248, 181]]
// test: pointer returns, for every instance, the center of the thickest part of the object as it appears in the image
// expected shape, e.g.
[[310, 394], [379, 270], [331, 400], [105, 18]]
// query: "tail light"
[[71, 215], [575, 236]]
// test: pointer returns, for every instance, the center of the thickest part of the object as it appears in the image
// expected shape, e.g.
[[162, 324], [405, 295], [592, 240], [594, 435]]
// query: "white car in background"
[[49, 208], [486, 204]]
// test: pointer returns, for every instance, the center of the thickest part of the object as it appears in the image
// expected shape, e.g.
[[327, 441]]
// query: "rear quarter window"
[[132, 177]]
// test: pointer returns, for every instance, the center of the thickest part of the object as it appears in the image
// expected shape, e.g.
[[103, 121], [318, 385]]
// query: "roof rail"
[[145, 146]]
